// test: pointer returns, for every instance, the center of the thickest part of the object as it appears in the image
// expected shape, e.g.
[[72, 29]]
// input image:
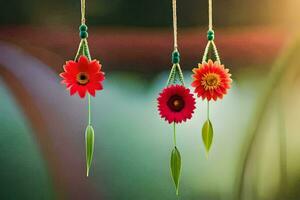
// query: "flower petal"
[[82, 91]]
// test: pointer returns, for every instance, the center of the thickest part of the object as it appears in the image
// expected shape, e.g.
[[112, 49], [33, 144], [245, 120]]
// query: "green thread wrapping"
[[210, 35], [83, 27], [215, 50], [83, 34], [175, 57], [83, 50], [180, 74], [205, 55], [171, 75], [79, 51], [86, 50], [175, 75], [211, 48]]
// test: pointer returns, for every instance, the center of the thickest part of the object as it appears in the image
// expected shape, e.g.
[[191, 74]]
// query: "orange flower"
[[211, 80]]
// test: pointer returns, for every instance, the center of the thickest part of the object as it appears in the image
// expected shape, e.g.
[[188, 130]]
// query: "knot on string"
[[175, 57], [210, 35], [83, 31]]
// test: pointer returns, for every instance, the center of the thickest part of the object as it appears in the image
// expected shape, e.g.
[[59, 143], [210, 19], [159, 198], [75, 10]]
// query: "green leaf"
[[207, 135], [89, 144], [176, 167]]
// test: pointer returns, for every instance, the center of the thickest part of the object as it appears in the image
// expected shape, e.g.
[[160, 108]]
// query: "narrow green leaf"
[[176, 167], [89, 144], [207, 135]]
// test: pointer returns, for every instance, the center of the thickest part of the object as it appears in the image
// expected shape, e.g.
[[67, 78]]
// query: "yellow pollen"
[[82, 78], [176, 103], [211, 81]]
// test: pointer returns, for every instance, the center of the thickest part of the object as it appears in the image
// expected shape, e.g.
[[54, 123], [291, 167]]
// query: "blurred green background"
[[255, 154]]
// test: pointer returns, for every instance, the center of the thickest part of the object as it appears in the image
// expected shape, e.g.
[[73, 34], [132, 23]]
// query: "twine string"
[[216, 51], [210, 13], [82, 11], [175, 23], [206, 52], [210, 44]]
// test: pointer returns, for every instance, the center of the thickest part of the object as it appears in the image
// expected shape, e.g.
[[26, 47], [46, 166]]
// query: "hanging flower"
[[211, 80], [83, 76], [176, 104]]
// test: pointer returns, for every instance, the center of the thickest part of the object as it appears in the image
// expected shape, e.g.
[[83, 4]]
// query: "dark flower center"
[[176, 103], [82, 78]]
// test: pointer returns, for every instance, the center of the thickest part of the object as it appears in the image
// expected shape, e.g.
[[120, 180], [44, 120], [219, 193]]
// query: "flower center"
[[211, 81], [176, 103], [82, 78]]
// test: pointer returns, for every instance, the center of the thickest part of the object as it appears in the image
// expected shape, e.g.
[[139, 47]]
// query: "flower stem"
[[207, 110], [174, 126], [89, 109]]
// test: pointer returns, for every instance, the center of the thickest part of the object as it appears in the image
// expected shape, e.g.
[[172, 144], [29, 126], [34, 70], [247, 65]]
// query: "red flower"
[[83, 76], [211, 80], [176, 104]]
